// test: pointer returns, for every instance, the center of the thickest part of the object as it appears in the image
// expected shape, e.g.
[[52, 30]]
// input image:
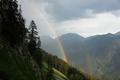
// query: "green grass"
[[59, 75]]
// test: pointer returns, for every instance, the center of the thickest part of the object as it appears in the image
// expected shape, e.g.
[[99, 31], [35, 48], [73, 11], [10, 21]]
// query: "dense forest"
[[21, 57]]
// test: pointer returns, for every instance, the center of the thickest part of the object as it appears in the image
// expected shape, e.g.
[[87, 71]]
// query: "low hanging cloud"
[[100, 23]]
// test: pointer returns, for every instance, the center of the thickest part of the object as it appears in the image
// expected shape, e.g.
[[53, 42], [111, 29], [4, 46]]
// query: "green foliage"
[[60, 75]]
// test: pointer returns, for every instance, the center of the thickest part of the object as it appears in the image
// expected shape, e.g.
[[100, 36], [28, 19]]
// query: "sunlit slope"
[[57, 74]]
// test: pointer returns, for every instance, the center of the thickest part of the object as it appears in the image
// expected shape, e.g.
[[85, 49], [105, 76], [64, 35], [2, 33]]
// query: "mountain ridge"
[[97, 48]]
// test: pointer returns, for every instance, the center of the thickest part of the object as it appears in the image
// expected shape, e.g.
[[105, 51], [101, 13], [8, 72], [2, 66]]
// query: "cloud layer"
[[69, 9], [85, 17], [100, 23]]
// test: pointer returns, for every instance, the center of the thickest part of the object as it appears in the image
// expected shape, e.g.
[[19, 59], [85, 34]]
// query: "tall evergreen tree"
[[33, 31], [34, 40], [12, 24]]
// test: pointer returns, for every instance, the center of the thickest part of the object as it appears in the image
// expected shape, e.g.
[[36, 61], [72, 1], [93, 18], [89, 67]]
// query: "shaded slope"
[[16, 66]]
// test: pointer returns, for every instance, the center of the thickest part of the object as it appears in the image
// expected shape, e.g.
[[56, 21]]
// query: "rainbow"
[[43, 15], [50, 25]]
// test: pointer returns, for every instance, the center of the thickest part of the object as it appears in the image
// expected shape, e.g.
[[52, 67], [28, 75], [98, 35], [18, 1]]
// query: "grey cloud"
[[63, 10], [68, 9]]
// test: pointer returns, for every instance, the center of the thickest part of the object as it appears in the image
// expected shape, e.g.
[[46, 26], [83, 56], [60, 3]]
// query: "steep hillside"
[[18, 64]]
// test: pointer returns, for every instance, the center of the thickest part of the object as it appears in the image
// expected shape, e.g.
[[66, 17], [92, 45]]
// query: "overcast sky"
[[84, 17]]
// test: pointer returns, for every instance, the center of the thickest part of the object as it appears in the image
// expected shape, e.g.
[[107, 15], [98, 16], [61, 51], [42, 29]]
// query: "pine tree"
[[34, 40], [33, 31]]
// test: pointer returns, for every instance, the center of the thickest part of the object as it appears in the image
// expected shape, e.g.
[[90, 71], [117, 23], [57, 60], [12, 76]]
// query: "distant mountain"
[[71, 37], [51, 45], [97, 54], [118, 33], [73, 44]]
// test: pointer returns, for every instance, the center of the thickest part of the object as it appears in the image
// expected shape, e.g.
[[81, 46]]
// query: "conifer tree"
[[33, 31], [34, 40]]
